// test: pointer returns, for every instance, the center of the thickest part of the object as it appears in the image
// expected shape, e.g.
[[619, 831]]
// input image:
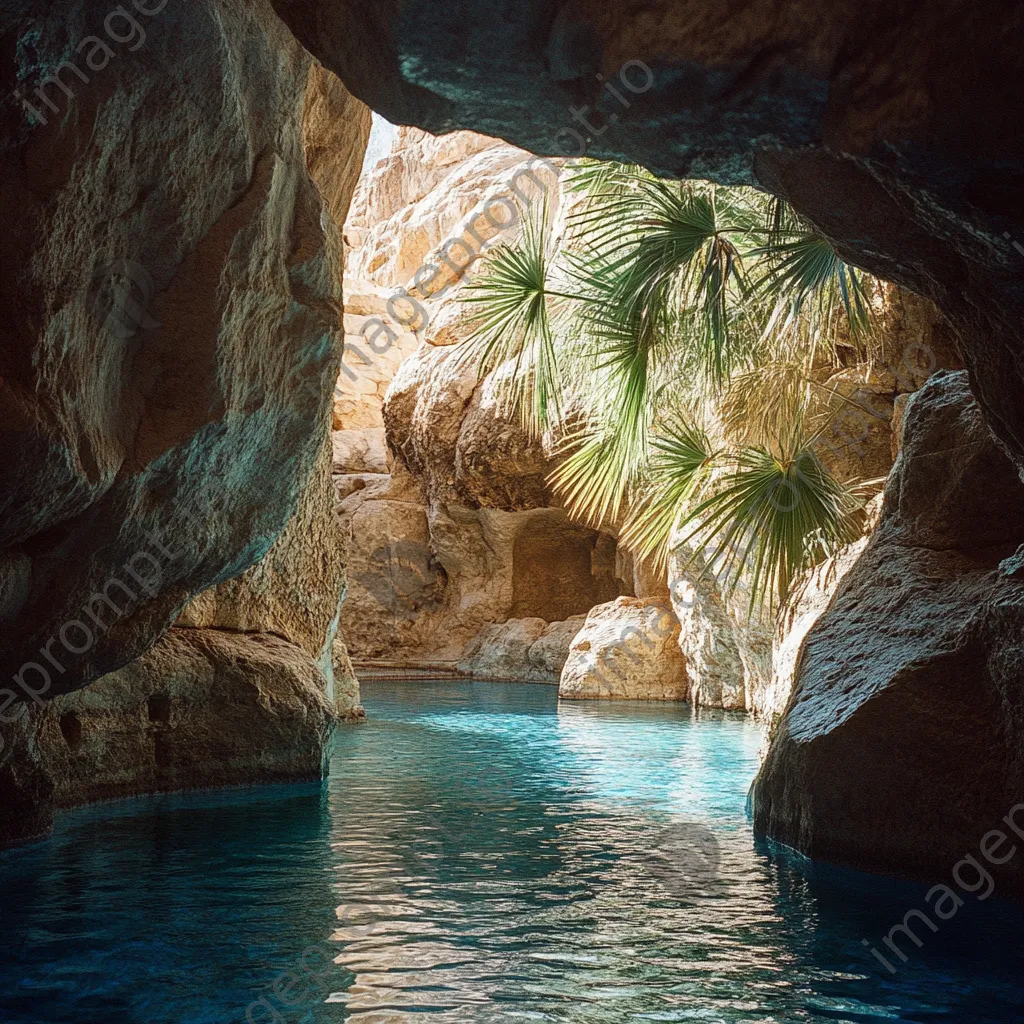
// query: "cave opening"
[[568, 504]]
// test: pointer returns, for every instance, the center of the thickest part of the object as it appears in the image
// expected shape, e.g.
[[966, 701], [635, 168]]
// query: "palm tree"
[[661, 303]]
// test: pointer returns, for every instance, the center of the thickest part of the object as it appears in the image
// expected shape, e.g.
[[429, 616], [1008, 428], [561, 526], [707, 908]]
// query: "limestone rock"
[[811, 598], [900, 746], [360, 451], [899, 411], [346, 684], [201, 708], [521, 650], [627, 649], [169, 358], [727, 648], [427, 577], [417, 201], [296, 591], [453, 431], [857, 442], [200, 425]]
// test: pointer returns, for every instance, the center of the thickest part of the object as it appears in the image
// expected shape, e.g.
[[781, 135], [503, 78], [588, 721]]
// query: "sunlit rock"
[[627, 649]]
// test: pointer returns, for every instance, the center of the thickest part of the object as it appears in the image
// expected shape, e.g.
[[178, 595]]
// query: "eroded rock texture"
[[171, 283], [901, 745], [459, 551], [169, 343], [201, 708], [894, 128], [627, 649]]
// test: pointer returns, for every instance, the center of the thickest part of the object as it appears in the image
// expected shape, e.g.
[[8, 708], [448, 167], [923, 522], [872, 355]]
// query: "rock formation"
[[627, 649], [894, 130], [167, 378], [456, 451], [899, 748], [173, 346], [458, 551], [529, 650]]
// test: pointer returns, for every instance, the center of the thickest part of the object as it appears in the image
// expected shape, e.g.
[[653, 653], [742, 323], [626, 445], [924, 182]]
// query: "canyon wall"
[[895, 130], [459, 552], [166, 365], [453, 521]]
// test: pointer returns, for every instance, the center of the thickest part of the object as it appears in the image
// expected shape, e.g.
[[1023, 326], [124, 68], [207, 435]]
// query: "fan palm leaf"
[[512, 295], [806, 276], [773, 516], [682, 459]]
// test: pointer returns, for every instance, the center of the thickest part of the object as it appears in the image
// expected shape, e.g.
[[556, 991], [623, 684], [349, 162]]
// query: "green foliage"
[[661, 301], [806, 277], [514, 301], [771, 516], [682, 461]]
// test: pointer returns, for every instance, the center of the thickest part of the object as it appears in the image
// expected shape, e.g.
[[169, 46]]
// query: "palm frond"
[[773, 516], [663, 260], [761, 403], [595, 477], [681, 461], [512, 296], [806, 275]]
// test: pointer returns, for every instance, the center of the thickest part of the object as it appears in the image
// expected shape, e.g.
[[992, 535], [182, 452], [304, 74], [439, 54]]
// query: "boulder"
[[201, 708], [454, 431], [521, 650], [222, 448], [726, 647], [627, 649], [900, 746]]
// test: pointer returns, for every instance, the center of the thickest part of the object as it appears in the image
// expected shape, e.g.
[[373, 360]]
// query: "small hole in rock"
[[71, 729], [160, 708]]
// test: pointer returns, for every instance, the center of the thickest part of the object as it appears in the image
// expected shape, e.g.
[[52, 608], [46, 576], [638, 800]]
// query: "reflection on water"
[[480, 854]]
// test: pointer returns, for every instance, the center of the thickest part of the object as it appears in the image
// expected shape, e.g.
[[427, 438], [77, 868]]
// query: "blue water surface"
[[481, 853]]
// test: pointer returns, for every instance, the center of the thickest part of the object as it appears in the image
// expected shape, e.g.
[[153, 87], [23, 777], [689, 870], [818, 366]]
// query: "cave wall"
[[168, 411], [895, 128], [168, 345]]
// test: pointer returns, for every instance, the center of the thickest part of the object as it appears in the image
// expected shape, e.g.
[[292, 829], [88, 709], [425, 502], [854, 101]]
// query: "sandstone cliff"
[[168, 380]]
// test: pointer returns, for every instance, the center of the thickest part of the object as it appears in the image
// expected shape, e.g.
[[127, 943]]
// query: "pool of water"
[[481, 853]]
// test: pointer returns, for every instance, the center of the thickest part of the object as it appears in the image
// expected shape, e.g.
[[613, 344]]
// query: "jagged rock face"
[[452, 431], [295, 592], [464, 533], [894, 129], [419, 222], [811, 597], [900, 747], [627, 649], [724, 644], [412, 203], [170, 344]]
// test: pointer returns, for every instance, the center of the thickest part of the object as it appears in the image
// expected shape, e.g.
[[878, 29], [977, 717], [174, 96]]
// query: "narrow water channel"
[[480, 853]]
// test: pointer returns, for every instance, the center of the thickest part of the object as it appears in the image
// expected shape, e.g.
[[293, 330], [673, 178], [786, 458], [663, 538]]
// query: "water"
[[480, 854]]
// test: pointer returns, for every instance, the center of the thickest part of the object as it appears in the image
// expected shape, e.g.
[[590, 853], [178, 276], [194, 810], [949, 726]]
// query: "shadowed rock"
[[896, 130], [901, 744]]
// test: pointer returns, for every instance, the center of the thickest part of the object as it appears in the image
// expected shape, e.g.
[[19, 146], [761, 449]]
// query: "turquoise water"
[[480, 854]]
